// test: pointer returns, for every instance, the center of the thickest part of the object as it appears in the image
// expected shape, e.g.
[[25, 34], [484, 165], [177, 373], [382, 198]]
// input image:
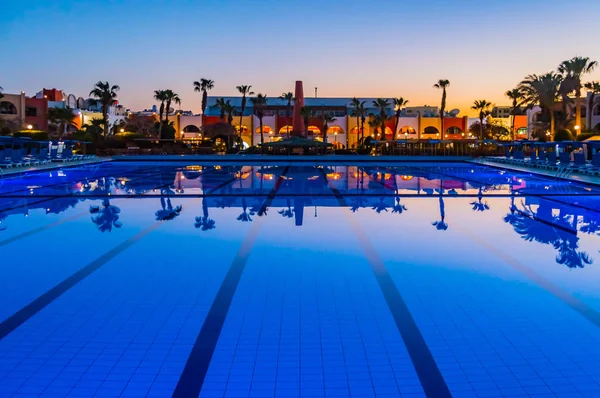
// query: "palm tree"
[[289, 97], [62, 117], [483, 107], [382, 105], [517, 100], [306, 114], [1, 95], [443, 85], [160, 95], [575, 68], [222, 104], [398, 104], [327, 118], [107, 216], [203, 86], [229, 109], [106, 95], [167, 211], [246, 90], [542, 90], [359, 113], [259, 103], [170, 96], [374, 123], [594, 88]]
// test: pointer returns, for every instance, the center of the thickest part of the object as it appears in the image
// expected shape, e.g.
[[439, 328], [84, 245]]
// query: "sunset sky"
[[346, 48]]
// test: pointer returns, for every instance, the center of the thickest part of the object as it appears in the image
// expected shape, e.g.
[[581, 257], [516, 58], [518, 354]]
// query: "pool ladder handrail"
[[563, 172]]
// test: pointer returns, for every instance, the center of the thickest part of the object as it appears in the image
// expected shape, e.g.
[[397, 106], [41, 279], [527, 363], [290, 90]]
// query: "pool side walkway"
[[285, 158], [50, 166], [586, 179]]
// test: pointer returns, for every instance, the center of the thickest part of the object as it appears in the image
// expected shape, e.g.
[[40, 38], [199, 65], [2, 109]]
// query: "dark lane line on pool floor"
[[427, 370], [576, 304], [43, 228], [25, 313], [193, 375]]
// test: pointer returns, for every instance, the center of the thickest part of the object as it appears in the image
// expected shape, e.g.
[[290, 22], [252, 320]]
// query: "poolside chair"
[[542, 156], [551, 162], [564, 157]]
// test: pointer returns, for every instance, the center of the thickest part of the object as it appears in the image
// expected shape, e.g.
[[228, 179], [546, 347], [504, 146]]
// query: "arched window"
[[453, 130], [7, 108], [431, 130], [191, 129], [285, 129]]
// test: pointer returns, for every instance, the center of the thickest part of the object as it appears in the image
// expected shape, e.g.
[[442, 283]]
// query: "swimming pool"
[[409, 279]]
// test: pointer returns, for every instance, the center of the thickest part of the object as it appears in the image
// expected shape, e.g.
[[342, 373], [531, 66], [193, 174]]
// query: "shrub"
[[34, 135], [563, 135], [586, 135]]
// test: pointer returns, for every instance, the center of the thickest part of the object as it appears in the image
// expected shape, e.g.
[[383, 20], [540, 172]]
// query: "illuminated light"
[[520, 180], [29, 127], [577, 127], [123, 182], [48, 209], [406, 178], [122, 130]]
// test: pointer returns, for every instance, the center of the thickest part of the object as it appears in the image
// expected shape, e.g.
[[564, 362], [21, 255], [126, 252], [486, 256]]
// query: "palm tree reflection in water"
[[554, 230], [398, 208], [441, 224], [287, 213], [167, 211], [246, 215], [479, 205], [204, 223], [107, 216]]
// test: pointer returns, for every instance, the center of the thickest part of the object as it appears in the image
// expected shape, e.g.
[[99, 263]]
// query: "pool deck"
[[586, 179], [50, 166], [295, 159]]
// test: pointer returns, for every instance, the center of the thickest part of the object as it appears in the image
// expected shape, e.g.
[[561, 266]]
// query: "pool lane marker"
[[25, 313], [193, 375], [427, 370]]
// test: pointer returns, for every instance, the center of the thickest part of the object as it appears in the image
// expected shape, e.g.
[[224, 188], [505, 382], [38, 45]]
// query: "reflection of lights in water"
[[406, 178], [520, 180], [334, 176], [217, 167]]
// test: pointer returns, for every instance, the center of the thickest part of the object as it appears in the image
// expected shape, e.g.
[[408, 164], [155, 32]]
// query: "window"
[[31, 111]]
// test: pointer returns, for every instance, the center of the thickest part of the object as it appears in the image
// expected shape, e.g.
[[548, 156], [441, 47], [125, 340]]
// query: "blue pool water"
[[415, 279]]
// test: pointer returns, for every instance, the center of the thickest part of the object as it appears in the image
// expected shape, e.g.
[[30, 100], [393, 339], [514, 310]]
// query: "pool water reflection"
[[407, 280]]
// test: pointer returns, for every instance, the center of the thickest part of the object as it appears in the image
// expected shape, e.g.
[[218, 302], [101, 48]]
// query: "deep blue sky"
[[346, 48]]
